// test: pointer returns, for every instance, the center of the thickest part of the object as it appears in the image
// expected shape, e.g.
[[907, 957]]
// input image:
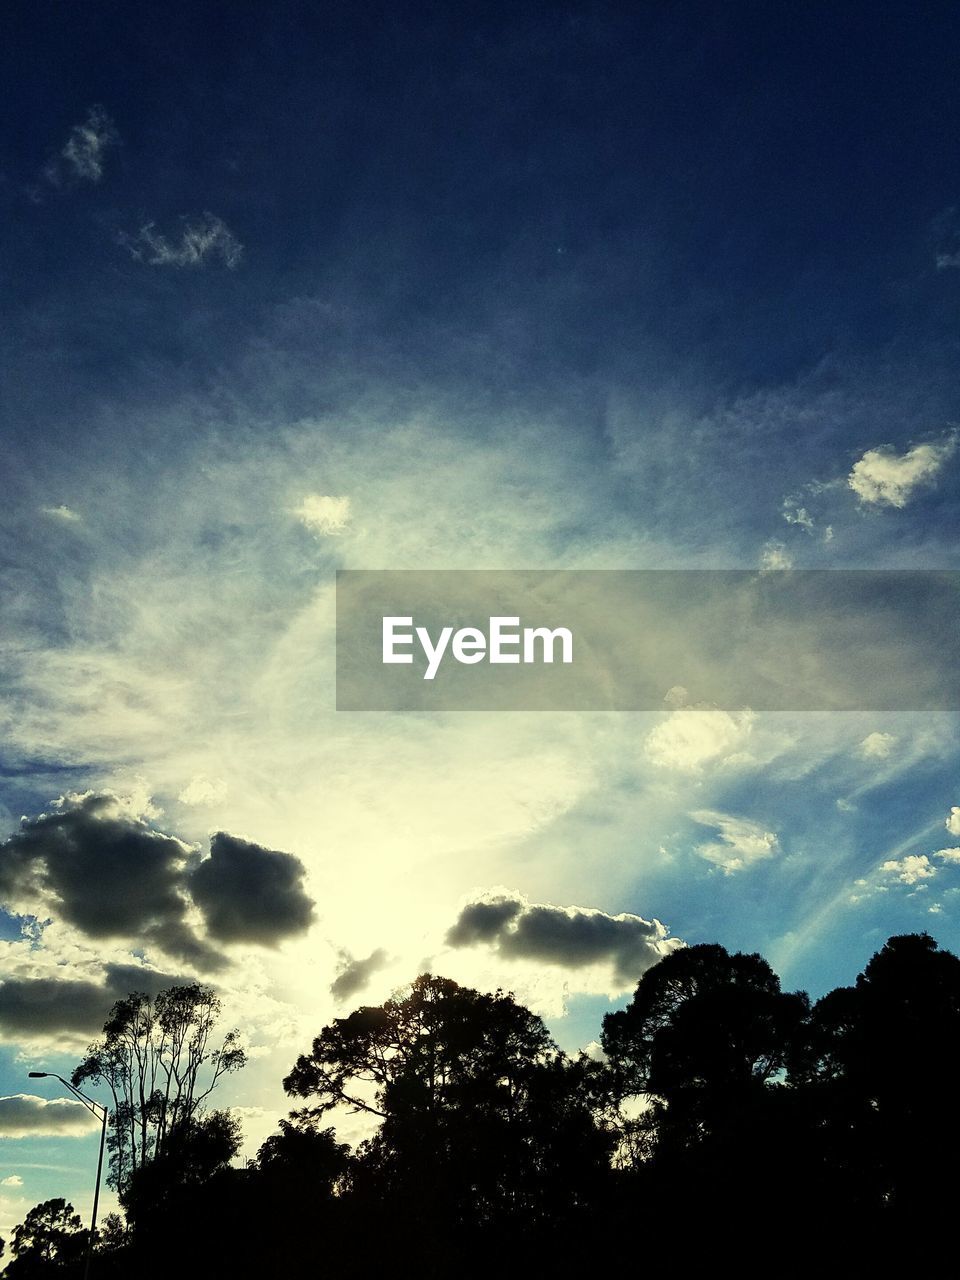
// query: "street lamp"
[[95, 1108]]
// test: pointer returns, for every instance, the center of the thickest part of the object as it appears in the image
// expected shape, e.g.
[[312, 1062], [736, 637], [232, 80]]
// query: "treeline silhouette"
[[727, 1123]]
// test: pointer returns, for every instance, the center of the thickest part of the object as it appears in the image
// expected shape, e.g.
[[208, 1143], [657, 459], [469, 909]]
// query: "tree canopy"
[[161, 1061], [725, 1114]]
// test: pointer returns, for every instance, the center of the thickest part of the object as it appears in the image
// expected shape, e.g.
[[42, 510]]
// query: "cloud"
[[203, 791], [64, 513], [95, 863], [23, 1115], [31, 1006], [251, 894], [947, 855], [82, 157], [354, 975], [741, 842], [324, 515], [201, 239], [13, 1181], [877, 746], [886, 478], [793, 513], [953, 821], [775, 556], [572, 937], [911, 869], [694, 736]]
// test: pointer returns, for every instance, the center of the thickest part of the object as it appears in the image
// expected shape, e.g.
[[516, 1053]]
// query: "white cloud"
[[887, 478], [13, 1181], [741, 842], [64, 513], [948, 855], [793, 513], [911, 869], [323, 514], [775, 556], [203, 790], [694, 736], [953, 822], [201, 239], [877, 746], [83, 153]]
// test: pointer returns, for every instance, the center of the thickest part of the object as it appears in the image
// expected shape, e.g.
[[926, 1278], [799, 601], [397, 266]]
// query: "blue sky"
[[674, 285]]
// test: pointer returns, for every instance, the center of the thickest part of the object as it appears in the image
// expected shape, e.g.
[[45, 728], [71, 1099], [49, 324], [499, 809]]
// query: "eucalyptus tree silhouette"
[[161, 1061]]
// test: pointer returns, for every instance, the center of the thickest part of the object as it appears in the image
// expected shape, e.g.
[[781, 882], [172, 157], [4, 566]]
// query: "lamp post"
[[95, 1108]]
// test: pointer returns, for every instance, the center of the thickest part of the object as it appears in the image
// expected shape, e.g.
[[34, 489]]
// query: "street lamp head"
[[37, 1075]]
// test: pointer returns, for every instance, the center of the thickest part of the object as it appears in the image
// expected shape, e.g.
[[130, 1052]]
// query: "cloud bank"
[[48, 1006]]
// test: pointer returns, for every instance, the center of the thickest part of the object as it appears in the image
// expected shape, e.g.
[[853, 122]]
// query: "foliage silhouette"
[[487, 1129], [728, 1117], [160, 1063], [49, 1236]]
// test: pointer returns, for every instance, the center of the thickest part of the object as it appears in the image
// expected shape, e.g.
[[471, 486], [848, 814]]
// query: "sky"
[[486, 286]]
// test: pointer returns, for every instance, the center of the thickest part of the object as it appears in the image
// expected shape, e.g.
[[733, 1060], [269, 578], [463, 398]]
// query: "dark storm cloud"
[[483, 921], [355, 974], [106, 871], [47, 1006], [572, 937], [24, 1116], [97, 866], [251, 894]]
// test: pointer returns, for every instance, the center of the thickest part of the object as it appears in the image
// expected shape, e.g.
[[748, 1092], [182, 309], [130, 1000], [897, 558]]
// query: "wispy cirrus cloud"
[[83, 155], [201, 240], [63, 513], [741, 842]]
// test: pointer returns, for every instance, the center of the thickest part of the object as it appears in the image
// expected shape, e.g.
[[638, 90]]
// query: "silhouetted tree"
[[703, 1025], [702, 1049], [875, 1057], [50, 1234], [160, 1061], [484, 1124]]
